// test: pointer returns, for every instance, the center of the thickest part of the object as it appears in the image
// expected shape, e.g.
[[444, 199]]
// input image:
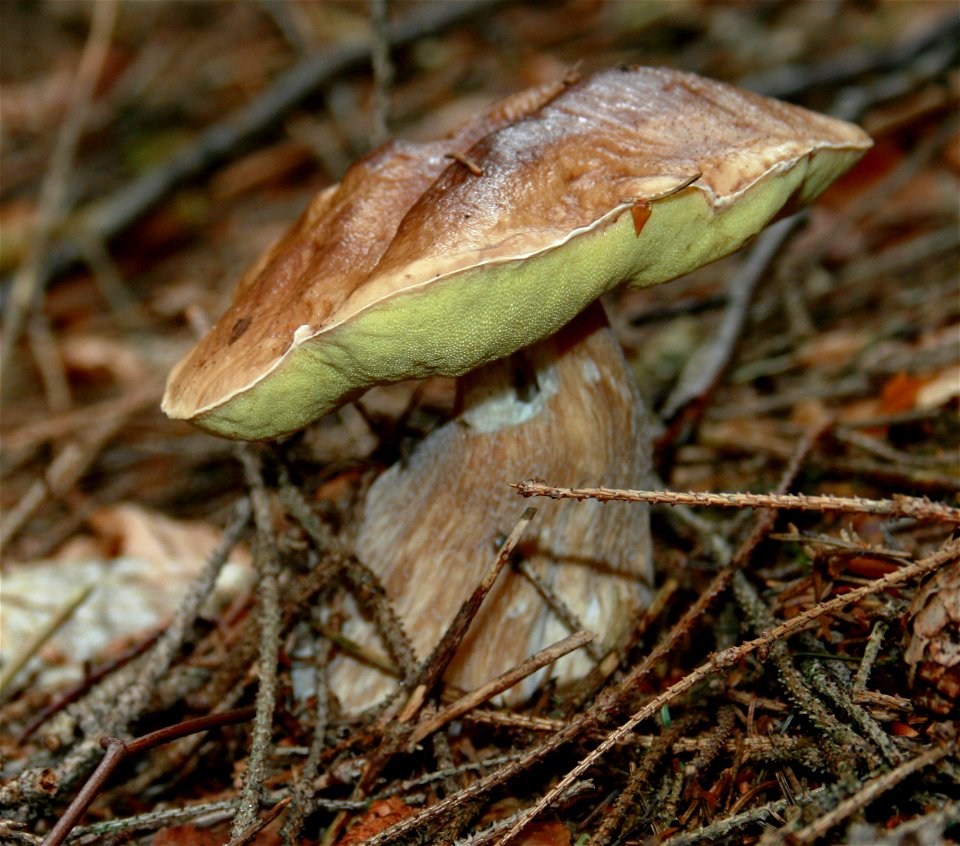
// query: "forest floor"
[[796, 678]]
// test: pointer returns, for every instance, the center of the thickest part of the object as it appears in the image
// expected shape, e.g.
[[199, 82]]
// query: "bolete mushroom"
[[482, 256]]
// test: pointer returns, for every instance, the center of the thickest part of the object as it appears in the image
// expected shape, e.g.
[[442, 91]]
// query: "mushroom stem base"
[[566, 410]]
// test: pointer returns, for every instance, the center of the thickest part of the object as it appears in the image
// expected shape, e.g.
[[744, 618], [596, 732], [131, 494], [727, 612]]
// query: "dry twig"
[[434, 666], [268, 571], [32, 274], [382, 71], [901, 506], [117, 750], [501, 683], [32, 646], [705, 367], [130, 690]]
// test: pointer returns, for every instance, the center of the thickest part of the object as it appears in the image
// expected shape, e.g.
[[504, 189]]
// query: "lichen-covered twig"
[[370, 594], [630, 801], [858, 690], [842, 744], [557, 605], [822, 677], [269, 618], [725, 827], [363, 582], [300, 805]]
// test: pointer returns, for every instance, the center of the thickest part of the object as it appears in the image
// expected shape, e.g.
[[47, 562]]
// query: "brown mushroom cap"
[[436, 258]]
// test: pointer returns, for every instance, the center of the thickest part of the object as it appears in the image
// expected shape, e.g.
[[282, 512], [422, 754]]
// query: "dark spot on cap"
[[239, 328]]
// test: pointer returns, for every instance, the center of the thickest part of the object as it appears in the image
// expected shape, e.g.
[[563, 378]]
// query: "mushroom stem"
[[564, 408]]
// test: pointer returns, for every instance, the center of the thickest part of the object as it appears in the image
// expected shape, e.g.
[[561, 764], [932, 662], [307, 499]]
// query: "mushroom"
[[482, 256]]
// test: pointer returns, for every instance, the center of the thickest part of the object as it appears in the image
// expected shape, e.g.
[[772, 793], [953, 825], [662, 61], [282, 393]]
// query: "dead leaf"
[[900, 393], [192, 835], [140, 562], [903, 730], [381, 815], [187, 835], [261, 168], [833, 350], [942, 388], [544, 834], [137, 532], [93, 356]]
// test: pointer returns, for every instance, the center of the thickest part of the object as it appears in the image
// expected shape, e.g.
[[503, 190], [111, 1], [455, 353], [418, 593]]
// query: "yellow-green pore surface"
[[451, 325]]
